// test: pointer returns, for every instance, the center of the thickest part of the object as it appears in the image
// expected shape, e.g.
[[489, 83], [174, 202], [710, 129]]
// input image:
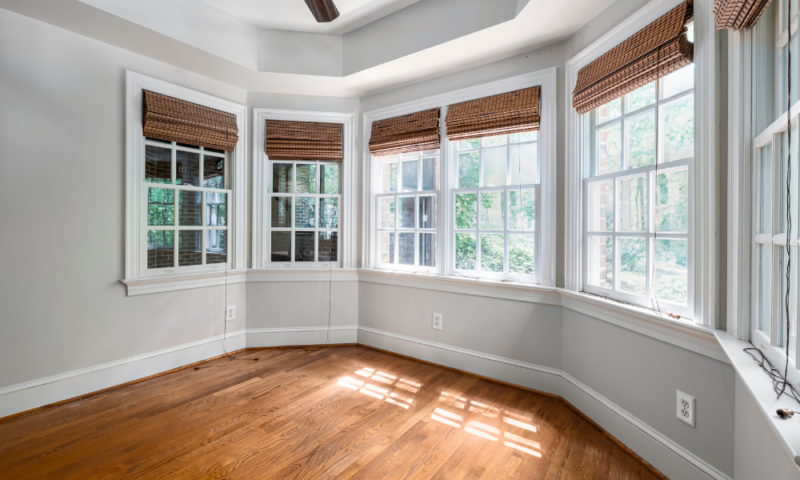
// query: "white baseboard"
[[37, 393], [283, 337], [665, 455]]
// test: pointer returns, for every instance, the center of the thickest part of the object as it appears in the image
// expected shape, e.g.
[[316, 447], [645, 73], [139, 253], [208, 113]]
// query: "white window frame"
[[649, 234], [505, 275], [262, 186], [546, 206], [416, 230], [770, 344], [293, 229], [704, 224], [137, 277]]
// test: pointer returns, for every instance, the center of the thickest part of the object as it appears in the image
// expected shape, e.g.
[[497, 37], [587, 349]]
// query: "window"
[[770, 195], [638, 164], [494, 197], [407, 209], [187, 214], [305, 199]]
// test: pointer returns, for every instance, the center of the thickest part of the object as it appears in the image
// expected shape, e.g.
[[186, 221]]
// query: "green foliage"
[[160, 206]]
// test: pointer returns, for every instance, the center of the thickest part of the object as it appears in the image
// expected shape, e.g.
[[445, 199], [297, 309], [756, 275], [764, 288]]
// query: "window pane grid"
[[637, 217], [305, 202], [190, 228], [495, 194]]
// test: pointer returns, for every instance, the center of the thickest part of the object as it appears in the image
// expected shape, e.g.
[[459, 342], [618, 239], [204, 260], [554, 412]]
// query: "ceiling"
[[294, 14], [422, 39]]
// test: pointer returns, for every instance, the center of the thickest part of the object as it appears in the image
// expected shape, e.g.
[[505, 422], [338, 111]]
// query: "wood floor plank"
[[314, 413]]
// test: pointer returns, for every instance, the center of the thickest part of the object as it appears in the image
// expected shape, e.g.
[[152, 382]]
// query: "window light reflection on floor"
[[392, 389]]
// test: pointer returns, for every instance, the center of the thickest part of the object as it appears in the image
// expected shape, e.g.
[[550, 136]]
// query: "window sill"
[[481, 287], [760, 387], [172, 283], [681, 333]]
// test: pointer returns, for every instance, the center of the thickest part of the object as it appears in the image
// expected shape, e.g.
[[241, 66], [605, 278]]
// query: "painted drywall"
[[303, 53], [522, 331], [301, 304], [641, 375], [62, 132], [759, 452]]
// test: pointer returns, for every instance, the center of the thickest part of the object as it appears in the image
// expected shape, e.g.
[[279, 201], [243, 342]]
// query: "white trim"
[[147, 285], [705, 241], [134, 161], [302, 275], [760, 387], [681, 333], [688, 335], [740, 166], [667, 456], [465, 286], [44, 391], [547, 138], [348, 227], [289, 336]]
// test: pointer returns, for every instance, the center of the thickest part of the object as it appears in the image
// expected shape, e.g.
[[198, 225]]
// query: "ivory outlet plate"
[[685, 407], [437, 321], [230, 314]]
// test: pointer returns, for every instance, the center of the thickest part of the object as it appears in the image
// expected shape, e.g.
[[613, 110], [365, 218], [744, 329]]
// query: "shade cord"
[[784, 382]]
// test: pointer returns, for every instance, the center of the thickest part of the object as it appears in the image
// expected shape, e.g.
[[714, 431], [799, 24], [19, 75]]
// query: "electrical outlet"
[[685, 406], [231, 313], [437, 321]]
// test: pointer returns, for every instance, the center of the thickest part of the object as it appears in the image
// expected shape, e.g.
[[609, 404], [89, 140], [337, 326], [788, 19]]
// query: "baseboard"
[[665, 455], [45, 391], [282, 337]]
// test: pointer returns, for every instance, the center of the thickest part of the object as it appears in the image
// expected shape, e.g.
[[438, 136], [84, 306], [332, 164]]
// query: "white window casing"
[[546, 189], [138, 278], [262, 192], [702, 284]]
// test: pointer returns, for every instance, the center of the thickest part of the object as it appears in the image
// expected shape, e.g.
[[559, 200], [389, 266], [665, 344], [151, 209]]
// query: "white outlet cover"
[[437, 321], [685, 408], [231, 313]]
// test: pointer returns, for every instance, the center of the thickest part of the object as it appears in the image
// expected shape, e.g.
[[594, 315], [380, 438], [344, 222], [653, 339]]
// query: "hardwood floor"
[[333, 413]]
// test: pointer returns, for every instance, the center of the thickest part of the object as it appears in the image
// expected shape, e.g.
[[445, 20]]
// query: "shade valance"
[[304, 141], [511, 112], [653, 52], [174, 120], [414, 132], [738, 14]]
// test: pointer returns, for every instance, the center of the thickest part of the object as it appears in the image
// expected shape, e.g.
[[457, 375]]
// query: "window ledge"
[[522, 292], [144, 286], [759, 385], [682, 333], [287, 274]]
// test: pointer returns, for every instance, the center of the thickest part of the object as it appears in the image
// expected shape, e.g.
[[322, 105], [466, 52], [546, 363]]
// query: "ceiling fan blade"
[[324, 10]]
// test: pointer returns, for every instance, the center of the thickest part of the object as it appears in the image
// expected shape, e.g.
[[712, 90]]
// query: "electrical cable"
[[781, 382]]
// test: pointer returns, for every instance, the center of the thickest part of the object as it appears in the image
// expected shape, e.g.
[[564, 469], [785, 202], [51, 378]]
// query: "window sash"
[[293, 229], [591, 157], [202, 152]]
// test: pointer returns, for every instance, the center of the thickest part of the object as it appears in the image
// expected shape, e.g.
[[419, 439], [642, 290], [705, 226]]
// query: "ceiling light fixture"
[[323, 10]]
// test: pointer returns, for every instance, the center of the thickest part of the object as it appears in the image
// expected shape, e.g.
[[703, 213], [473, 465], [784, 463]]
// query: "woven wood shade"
[[511, 112], [167, 118], [304, 141], [654, 51], [738, 14], [414, 132]]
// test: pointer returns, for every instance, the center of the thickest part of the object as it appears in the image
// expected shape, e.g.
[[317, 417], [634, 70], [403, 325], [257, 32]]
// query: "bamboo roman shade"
[[304, 141], [738, 14], [408, 133], [174, 120], [511, 112], [656, 50]]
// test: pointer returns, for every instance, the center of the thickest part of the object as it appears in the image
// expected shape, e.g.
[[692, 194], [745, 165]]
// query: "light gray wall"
[[523, 331], [301, 304], [62, 132], [759, 452], [641, 375]]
